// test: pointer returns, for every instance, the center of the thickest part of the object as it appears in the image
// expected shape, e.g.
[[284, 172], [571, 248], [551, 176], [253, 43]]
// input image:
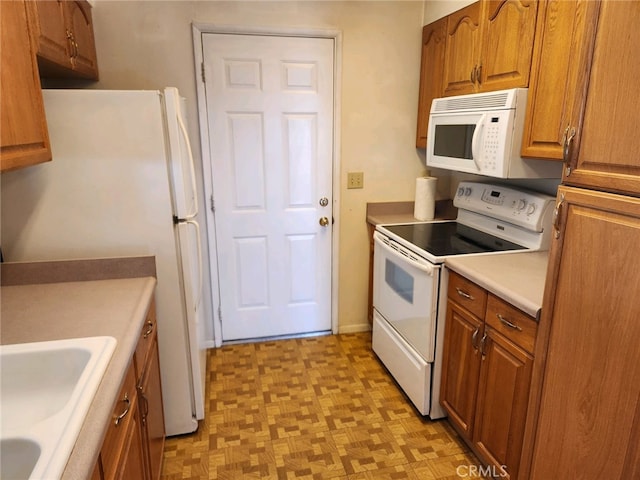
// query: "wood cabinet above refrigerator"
[[63, 33]]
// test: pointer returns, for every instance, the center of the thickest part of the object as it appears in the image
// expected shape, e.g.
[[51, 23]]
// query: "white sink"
[[46, 390]]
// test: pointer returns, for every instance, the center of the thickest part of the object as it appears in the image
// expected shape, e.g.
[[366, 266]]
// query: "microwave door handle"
[[429, 270], [475, 140]]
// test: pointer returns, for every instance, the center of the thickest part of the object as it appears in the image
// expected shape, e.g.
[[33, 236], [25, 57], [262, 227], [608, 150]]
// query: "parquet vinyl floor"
[[312, 409]]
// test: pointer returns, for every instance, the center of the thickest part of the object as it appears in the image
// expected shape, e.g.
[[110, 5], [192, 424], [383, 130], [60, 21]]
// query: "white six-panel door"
[[270, 117]]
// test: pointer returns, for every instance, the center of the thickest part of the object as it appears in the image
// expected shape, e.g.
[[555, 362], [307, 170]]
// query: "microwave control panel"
[[524, 208], [492, 150]]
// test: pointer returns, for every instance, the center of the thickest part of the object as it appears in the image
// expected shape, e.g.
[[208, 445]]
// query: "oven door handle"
[[428, 269]]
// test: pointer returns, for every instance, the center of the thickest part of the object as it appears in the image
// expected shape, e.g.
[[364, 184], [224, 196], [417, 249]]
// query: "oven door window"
[[398, 280]]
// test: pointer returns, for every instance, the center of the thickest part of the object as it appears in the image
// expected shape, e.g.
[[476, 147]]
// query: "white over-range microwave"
[[481, 133]]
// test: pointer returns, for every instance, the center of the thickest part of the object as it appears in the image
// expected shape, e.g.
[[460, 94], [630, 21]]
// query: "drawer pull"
[[120, 417], [464, 294], [149, 330], [508, 323]]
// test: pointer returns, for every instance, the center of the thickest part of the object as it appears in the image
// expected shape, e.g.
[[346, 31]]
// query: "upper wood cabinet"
[[489, 46], [63, 32], [24, 139], [604, 153], [553, 86], [462, 50], [431, 74]]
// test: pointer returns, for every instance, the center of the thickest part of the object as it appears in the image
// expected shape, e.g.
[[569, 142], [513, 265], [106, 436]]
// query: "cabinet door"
[[588, 419], [24, 139], [152, 416], [79, 21], [49, 32], [507, 44], [462, 50], [118, 436], [461, 367], [605, 151], [553, 85], [503, 393], [133, 462], [431, 73]]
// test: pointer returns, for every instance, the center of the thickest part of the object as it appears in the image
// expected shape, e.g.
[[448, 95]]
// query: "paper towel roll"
[[425, 204]]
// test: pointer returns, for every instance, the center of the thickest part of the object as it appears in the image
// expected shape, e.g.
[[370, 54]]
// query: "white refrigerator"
[[122, 183]]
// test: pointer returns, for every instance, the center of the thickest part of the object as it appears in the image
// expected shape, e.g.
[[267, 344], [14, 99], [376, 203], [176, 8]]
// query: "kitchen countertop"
[[381, 213], [54, 311], [517, 278]]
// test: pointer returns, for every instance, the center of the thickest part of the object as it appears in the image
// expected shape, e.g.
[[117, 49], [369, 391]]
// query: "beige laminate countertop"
[[517, 278], [54, 311], [381, 213]]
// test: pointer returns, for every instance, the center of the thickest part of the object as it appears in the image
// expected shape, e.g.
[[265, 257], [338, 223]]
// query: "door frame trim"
[[198, 30]]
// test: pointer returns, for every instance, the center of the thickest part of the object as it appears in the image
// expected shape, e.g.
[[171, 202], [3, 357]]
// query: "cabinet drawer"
[[114, 442], [467, 294], [145, 341], [514, 324]]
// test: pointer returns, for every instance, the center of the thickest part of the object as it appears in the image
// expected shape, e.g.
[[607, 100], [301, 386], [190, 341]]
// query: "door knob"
[[324, 201], [324, 221]]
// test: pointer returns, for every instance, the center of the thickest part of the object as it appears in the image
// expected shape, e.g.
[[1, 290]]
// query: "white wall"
[[436, 9], [148, 45]]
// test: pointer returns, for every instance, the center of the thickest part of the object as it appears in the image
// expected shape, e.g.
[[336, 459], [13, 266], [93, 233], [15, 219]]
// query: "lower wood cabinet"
[[486, 375], [134, 443]]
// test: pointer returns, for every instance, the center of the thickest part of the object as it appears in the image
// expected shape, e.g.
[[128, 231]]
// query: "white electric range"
[[410, 283]]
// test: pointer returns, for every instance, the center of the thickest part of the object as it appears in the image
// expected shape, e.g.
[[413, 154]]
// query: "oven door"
[[405, 293]]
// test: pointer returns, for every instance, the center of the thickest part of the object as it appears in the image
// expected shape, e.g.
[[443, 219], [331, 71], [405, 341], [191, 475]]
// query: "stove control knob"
[[467, 191], [460, 191], [531, 209], [521, 204]]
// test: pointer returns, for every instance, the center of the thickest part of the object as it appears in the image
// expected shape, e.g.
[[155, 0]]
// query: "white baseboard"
[[357, 328]]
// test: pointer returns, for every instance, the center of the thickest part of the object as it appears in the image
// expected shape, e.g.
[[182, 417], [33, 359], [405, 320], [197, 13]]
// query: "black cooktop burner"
[[450, 238]]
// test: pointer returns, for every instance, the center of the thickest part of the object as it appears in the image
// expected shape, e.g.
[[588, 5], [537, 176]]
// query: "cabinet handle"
[[566, 151], [472, 76], [145, 403], [509, 324], [474, 337], [120, 417], [482, 343], [479, 74], [70, 42], [464, 294], [557, 212], [149, 330]]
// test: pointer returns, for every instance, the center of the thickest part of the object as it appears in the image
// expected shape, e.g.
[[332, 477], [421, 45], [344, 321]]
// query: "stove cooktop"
[[442, 239]]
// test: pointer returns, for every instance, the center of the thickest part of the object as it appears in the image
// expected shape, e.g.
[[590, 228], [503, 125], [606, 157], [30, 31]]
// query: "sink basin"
[[46, 390]]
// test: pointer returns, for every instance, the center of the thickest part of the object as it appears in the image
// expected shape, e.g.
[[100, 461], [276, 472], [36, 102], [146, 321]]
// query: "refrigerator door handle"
[[192, 170], [199, 250]]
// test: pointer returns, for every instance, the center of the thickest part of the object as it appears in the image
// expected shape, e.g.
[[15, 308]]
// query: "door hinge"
[[213, 205], [202, 72], [219, 313]]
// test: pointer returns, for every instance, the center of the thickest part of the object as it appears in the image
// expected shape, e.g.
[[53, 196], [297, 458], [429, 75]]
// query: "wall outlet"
[[355, 180]]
